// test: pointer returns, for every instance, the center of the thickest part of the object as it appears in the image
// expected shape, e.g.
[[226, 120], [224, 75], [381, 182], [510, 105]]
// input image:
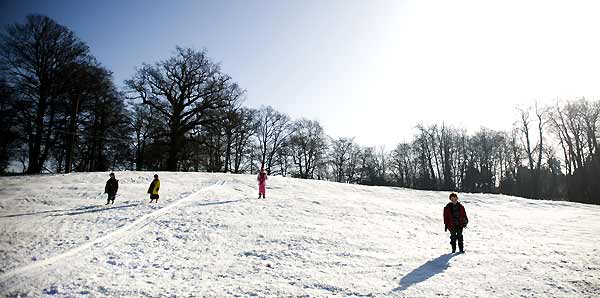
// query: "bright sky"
[[369, 69]]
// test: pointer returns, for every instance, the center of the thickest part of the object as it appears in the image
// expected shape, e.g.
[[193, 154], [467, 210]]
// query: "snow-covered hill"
[[210, 237]]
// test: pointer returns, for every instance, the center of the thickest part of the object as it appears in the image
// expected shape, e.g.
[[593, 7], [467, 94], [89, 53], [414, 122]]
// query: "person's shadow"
[[424, 272]]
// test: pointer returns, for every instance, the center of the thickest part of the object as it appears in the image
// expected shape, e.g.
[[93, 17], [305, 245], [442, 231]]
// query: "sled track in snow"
[[109, 238]]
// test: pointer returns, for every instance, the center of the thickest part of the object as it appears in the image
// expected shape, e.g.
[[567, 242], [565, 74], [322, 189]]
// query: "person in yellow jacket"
[[153, 189]]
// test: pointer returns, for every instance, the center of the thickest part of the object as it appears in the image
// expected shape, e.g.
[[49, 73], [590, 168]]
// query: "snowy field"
[[210, 237]]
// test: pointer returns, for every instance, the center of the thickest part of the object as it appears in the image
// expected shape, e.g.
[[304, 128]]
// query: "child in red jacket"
[[455, 219]]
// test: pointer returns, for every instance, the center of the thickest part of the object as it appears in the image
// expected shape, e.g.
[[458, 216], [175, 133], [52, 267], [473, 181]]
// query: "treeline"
[[61, 112]]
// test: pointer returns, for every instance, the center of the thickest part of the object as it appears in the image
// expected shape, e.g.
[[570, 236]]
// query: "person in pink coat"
[[262, 182]]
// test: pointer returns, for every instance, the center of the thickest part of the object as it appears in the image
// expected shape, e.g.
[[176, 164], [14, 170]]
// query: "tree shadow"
[[48, 211], [424, 272], [218, 203], [93, 209], [101, 208]]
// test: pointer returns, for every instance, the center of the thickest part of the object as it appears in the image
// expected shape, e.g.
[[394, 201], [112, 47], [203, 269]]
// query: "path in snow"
[[107, 239], [42, 216]]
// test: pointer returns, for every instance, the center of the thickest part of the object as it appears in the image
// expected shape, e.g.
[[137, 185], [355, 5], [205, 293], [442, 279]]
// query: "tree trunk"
[[72, 135]]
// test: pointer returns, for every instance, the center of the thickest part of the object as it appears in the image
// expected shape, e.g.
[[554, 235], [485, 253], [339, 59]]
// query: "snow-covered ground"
[[210, 237]]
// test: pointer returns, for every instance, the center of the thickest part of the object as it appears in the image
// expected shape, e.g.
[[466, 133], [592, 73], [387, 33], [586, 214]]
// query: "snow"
[[209, 236]]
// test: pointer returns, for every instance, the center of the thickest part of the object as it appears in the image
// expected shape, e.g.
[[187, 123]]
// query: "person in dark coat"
[[153, 189], [455, 220], [111, 188]]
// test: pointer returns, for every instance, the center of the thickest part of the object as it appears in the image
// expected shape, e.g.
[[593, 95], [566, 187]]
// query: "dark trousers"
[[456, 234], [111, 197], [154, 197]]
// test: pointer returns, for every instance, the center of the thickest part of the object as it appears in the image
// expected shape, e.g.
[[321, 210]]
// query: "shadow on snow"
[[49, 211], [92, 209], [218, 203], [424, 272]]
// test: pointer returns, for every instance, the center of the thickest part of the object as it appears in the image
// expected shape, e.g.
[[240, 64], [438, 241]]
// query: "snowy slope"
[[210, 237]]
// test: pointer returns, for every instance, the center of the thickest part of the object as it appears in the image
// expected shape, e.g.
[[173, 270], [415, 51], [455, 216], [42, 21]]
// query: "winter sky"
[[369, 69]]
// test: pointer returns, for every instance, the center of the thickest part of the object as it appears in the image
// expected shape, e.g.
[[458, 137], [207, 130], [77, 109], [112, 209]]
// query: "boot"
[[460, 247], [107, 202], [453, 246]]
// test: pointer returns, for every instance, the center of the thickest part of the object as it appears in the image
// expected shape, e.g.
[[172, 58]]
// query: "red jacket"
[[462, 218]]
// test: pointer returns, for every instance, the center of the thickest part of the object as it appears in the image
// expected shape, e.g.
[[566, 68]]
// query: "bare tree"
[[307, 145], [575, 124], [246, 128], [7, 118], [561, 129], [33, 55], [273, 130], [381, 164], [403, 166], [446, 156], [462, 158], [423, 145], [105, 139], [590, 116], [540, 112], [187, 90], [340, 153], [353, 169], [84, 82], [232, 123], [525, 122], [145, 129]]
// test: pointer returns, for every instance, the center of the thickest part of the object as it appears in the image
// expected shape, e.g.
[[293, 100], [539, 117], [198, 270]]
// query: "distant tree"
[[339, 153], [233, 125], [246, 127], [525, 122], [366, 166], [575, 124], [402, 165], [273, 130], [283, 156], [34, 56], [106, 134], [144, 129], [424, 149], [465, 159], [484, 144], [528, 182], [7, 118], [353, 169], [381, 164], [307, 147], [540, 112], [446, 153], [559, 128], [512, 159], [212, 142], [435, 154], [84, 83], [187, 90], [531, 188], [471, 177]]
